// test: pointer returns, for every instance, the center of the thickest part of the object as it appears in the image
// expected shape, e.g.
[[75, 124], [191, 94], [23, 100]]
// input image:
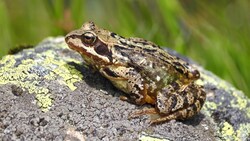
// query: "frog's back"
[[152, 61]]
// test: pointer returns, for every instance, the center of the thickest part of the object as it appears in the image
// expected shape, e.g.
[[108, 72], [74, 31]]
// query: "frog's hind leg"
[[179, 114], [182, 113], [180, 104]]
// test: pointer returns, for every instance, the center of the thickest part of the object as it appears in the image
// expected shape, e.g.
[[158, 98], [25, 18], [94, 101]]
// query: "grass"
[[214, 34]]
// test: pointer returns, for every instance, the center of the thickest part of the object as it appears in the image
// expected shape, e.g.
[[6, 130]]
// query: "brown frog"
[[143, 70]]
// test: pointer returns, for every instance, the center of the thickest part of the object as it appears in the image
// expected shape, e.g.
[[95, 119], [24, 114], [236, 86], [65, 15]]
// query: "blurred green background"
[[216, 34]]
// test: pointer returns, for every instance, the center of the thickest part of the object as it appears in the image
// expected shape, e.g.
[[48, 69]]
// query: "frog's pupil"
[[89, 39]]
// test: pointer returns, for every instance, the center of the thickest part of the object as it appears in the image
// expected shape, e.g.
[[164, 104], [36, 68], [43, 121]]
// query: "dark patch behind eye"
[[103, 49]]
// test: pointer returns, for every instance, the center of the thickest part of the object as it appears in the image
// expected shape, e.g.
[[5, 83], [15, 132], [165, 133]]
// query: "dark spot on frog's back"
[[150, 50], [113, 34], [179, 67]]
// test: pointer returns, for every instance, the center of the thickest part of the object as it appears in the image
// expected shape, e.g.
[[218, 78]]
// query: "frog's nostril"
[[66, 38]]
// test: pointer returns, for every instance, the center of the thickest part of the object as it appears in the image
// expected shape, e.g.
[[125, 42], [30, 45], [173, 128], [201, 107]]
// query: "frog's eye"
[[88, 38]]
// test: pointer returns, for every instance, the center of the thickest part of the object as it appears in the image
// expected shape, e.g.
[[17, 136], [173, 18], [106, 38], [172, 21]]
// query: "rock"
[[47, 93]]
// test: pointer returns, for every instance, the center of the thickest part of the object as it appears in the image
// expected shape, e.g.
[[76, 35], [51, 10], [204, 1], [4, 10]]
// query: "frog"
[[143, 70]]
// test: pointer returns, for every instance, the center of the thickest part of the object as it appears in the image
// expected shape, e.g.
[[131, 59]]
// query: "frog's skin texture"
[[143, 70]]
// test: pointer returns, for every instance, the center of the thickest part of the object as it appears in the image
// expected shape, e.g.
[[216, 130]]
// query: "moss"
[[29, 69]]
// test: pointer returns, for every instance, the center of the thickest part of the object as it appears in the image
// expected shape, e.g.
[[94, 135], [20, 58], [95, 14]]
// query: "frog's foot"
[[124, 98], [156, 117], [142, 112]]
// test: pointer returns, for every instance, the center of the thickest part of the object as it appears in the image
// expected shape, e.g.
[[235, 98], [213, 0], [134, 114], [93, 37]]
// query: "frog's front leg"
[[128, 80]]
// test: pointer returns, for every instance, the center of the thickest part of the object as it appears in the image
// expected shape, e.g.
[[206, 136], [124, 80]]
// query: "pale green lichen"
[[243, 135], [248, 112], [21, 75], [68, 73], [44, 101], [147, 137], [226, 130], [228, 133], [210, 105], [240, 102]]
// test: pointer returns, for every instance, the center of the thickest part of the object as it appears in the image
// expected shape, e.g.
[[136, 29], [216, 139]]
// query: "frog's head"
[[93, 43]]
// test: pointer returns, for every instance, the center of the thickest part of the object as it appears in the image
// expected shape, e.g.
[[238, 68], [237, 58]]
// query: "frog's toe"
[[142, 112]]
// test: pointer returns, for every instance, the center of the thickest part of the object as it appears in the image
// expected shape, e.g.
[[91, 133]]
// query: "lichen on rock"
[[29, 68]]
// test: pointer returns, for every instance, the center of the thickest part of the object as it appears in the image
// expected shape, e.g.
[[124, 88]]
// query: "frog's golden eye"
[[88, 38]]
